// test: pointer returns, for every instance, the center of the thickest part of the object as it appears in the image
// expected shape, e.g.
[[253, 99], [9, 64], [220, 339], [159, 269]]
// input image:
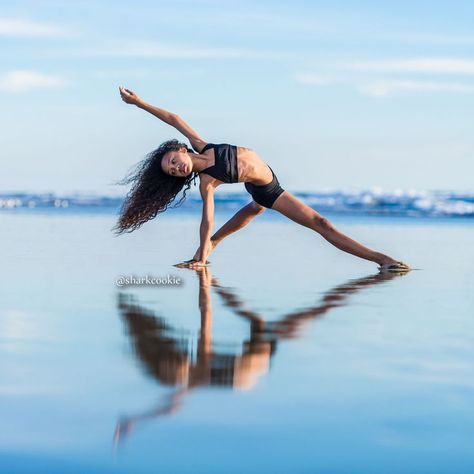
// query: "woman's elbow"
[[207, 223], [174, 119]]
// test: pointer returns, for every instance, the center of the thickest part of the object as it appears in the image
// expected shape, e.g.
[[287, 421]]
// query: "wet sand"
[[286, 355]]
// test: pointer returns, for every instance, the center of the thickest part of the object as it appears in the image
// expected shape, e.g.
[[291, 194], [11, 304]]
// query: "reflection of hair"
[[164, 356], [173, 359], [152, 191]]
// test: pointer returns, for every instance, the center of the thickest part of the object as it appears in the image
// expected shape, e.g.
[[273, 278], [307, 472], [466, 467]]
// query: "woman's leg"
[[237, 221], [298, 211]]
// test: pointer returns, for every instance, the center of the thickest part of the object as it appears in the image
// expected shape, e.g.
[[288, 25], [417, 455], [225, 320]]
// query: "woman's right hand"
[[192, 263], [129, 96], [198, 251]]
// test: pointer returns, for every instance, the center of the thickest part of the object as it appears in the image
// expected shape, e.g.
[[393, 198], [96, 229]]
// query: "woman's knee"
[[321, 224], [257, 208]]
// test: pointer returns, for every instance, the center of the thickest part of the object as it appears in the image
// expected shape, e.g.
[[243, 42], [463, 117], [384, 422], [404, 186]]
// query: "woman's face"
[[177, 163]]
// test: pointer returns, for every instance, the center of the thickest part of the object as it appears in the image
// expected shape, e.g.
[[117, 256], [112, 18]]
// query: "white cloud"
[[365, 76], [150, 49], [24, 80], [314, 79], [424, 65], [427, 38], [385, 88], [20, 27]]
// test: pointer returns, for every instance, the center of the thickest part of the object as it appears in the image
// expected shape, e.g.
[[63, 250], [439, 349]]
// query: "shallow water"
[[285, 356]]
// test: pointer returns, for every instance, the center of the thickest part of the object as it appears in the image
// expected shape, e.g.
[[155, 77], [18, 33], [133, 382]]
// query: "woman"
[[172, 166]]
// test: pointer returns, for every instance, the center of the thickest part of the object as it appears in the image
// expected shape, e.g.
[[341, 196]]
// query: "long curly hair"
[[153, 190]]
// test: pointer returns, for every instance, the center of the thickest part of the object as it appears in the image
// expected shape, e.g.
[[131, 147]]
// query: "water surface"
[[285, 356]]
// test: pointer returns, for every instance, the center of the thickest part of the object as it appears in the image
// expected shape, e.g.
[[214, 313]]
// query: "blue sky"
[[339, 94]]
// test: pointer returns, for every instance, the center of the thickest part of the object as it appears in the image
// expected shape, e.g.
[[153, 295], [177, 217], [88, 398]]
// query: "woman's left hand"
[[129, 96]]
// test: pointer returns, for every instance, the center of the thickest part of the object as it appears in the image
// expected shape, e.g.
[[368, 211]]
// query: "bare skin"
[[252, 169]]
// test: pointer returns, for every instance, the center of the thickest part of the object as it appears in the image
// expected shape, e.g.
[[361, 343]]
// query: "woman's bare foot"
[[394, 266], [389, 264]]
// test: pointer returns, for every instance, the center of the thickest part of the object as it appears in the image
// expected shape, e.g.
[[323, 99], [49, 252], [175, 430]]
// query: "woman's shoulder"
[[208, 180], [203, 146], [200, 145]]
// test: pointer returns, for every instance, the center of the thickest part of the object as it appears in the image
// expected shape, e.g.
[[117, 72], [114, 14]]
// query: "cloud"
[[426, 38], [24, 80], [365, 76], [314, 79], [20, 27], [417, 65], [385, 88], [148, 49]]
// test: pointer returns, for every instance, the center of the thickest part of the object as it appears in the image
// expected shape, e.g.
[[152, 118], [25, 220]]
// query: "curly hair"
[[152, 191]]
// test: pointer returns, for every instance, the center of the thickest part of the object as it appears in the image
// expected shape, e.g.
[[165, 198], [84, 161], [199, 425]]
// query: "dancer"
[[172, 167]]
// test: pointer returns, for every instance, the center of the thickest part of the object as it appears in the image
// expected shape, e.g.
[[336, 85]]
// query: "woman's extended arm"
[[131, 97], [170, 118], [207, 221], [207, 193]]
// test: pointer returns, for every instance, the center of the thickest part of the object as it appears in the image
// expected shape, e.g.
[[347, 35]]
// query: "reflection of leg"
[[334, 298], [239, 220], [289, 324], [126, 424], [298, 211], [232, 301]]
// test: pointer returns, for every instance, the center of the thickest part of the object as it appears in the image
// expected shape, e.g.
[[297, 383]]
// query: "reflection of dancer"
[[172, 166], [169, 358]]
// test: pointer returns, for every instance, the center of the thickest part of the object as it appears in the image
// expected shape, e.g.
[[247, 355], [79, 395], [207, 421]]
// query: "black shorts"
[[265, 194]]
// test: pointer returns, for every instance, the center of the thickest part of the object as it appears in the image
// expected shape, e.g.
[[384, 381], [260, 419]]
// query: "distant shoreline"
[[369, 202]]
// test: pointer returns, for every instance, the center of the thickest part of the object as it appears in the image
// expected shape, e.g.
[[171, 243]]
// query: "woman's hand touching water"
[[195, 261], [212, 245], [129, 96]]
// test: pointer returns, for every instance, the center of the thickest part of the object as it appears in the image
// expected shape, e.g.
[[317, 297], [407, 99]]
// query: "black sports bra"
[[225, 167]]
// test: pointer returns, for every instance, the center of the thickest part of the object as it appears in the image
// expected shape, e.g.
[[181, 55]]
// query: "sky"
[[332, 94]]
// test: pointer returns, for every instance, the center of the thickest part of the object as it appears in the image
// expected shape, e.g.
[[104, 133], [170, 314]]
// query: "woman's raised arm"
[[133, 98], [170, 118]]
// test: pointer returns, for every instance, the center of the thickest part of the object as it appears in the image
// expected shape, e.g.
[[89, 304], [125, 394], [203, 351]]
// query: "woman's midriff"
[[252, 169]]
